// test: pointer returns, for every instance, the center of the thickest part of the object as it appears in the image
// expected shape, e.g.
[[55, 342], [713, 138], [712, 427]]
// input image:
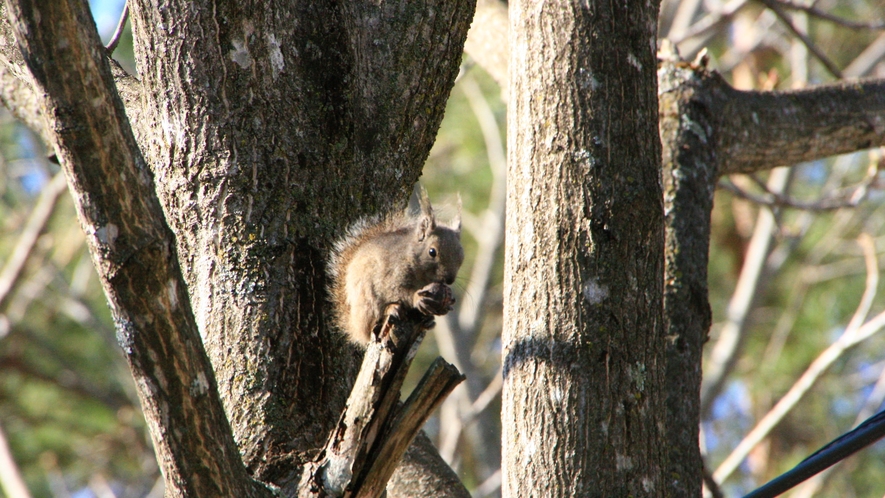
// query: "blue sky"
[[106, 14]]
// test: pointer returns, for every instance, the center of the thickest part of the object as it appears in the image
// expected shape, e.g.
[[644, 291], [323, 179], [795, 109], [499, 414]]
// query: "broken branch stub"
[[373, 432]]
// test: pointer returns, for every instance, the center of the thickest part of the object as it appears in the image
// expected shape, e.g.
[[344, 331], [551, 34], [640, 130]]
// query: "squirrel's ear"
[[456, 221], [425, 227], [424, 201], [426, 222]]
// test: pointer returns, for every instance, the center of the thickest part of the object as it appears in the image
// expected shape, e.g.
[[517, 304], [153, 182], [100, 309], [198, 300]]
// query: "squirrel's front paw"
[[434, 299]]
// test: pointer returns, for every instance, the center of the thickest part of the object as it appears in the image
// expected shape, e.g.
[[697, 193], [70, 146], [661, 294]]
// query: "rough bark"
[[689, 179], [422, 473], [17, 85], [708, 129], [582, 410], [271, 126], [763, 130], [133, 249], [268, 127]]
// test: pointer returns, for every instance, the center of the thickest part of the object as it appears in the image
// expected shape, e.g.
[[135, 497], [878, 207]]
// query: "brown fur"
[[387, 261]]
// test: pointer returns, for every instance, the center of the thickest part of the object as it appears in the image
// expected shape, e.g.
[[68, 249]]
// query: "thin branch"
[[849, 198], [118, 33], [815, 12], [455, 424], [711, 485], [492, 224], [682, 19], [35, 225], [487, 40], [489, 486], [855, 332], [725, 352], [708, 24], [10, 477], [458, 335], [867, 59], [873, 401], [437, 383], [818, 53], [486, 397]]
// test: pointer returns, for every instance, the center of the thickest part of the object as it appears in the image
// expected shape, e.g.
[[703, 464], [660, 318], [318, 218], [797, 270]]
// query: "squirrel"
[[401, 259]]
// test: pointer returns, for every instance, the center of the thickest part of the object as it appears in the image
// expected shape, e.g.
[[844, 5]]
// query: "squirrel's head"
[[437, 247]]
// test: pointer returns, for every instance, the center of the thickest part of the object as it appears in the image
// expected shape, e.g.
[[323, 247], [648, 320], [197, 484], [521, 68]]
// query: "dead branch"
[[820, 14], [374, 432], [37, 221]]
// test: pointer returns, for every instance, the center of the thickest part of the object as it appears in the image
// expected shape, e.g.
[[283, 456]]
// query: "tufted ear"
[[456, 221], [426, 222]]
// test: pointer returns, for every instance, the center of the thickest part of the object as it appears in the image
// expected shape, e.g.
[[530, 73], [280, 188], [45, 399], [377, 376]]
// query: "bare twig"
[[436, 384], [711, 485], [813, 271], [454, 425], [10, 478], [457, 336], [486, 397], [855, 332], [867, 60], [28, 239], [815, 12], [492, 224], [818, 53], [847, 198], [487, 40], [118, 33], [682, 19], [708, 24], [725, 352], [489, 486]]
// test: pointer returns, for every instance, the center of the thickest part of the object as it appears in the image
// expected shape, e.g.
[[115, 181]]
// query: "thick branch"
[[422, 473], [17, 85], [132, 248], [762, 130]]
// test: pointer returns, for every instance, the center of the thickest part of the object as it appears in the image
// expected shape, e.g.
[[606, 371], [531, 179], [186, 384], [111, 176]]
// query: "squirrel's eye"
[[432, 252]]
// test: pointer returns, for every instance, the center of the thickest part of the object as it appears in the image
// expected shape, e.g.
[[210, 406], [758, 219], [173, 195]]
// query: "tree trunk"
[[689, 180], [583, 337], [267, 128]]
